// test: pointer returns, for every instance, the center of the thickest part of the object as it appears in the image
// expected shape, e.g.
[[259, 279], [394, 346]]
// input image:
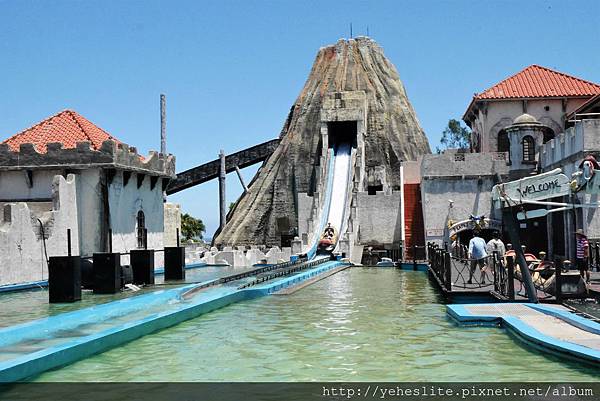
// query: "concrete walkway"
[[551, 328]]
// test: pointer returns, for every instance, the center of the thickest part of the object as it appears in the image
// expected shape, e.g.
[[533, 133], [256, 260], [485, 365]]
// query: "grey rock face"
[[392, 134]]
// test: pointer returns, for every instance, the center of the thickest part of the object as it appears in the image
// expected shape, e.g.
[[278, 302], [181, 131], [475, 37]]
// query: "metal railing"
[[282, 271], [553, 281]]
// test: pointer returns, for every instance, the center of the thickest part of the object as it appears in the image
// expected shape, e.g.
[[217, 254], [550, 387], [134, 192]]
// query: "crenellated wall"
[[111, 154], [22, 253]]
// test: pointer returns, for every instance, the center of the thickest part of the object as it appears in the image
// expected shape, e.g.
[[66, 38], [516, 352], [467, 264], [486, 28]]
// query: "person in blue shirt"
[[477, 255]]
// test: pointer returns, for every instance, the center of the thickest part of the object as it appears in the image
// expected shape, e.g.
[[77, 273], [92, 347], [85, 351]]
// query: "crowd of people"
[[479, 251]]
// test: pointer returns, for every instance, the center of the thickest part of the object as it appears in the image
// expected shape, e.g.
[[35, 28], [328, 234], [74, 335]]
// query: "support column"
[[222, 175]]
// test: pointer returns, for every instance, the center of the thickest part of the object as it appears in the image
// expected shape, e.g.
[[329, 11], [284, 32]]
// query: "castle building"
[[547, 95], [66, 175], [532, 122]]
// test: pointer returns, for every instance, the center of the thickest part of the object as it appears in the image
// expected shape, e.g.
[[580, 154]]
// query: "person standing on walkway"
[[583, 252], [477, 255], [496, 245]]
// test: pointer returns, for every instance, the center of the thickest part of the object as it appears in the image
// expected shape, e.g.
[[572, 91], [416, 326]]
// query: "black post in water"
[[177, 231], [145, 238], [510, 271], [69, 241], [142, 264], [64, 279], [107, 273], [174, 263], [513, 233], [110, 240]]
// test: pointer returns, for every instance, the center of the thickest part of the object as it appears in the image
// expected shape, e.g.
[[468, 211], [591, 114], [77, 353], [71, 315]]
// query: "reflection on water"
[[360, 324]]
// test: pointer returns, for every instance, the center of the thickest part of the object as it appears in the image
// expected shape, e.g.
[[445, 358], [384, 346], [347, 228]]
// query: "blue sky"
[[232, 69]]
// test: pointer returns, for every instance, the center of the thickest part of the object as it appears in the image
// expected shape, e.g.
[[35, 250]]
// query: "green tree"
[[455, 135], [191, 227]]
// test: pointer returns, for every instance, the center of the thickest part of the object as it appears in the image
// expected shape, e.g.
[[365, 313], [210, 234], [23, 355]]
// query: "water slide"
[[339, 181]]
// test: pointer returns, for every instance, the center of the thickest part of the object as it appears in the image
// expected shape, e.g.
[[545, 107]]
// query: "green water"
[[23, 306], [360, 324]]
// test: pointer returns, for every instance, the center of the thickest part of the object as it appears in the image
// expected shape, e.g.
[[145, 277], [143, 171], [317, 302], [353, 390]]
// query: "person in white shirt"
[[477, 254]]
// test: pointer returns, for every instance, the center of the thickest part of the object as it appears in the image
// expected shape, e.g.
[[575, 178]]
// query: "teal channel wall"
[[532, 337]]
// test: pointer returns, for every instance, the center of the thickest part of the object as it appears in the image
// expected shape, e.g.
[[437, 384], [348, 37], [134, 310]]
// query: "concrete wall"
[[22, 256], [468, 196], [89, 205], [172, 213], [124, 202], [570, 146], [379, 218], [14, 186], [466, 179]]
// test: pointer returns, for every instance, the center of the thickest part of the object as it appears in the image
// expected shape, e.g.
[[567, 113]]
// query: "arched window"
[[503, 142], [528, 149], [141, 230]]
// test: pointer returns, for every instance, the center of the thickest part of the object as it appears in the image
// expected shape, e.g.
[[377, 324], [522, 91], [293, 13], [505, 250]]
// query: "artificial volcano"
[[352, 76]]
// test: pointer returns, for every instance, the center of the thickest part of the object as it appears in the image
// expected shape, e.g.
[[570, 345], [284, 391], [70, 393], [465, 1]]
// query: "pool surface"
[[361, 324], [23, 306]]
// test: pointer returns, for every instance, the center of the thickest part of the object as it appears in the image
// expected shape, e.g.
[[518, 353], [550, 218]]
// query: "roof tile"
[[537, 81], [67, 127]]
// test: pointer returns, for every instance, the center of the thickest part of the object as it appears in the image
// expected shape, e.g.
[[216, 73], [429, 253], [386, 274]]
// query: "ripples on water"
[[360, 324]]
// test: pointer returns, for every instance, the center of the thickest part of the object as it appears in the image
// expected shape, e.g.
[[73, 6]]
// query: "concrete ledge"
[[532, 337], [24, 286], [421, 266]]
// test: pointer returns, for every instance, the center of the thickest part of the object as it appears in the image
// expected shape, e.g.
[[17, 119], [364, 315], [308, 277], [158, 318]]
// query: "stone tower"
[[352, 88]]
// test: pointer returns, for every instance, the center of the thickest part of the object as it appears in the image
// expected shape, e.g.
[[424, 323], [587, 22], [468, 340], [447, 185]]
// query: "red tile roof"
[[536, 81], [67, 127]]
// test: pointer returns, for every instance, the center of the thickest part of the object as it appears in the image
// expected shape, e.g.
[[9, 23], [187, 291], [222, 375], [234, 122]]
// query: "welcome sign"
[[542, 186], [486, 224]]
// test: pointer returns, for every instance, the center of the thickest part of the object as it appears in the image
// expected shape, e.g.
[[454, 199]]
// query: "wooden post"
[[239, 174], [513, 233], [597, 257], [510, 270], [163, 124], [558, 282], [222, 176]]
